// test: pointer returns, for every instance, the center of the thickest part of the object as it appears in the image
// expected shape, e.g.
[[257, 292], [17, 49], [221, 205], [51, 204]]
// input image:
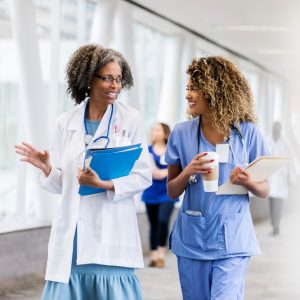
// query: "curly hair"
[[85, 62], [225, 89]]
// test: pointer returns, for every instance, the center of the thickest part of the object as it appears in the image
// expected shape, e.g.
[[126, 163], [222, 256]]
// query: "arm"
[[157, 173], [178, 178], [242, 177], [51, 178]]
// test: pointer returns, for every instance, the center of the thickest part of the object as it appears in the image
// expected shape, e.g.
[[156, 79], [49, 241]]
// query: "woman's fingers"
[[21, 148], [21, 152], [29, 146], [200, 155]]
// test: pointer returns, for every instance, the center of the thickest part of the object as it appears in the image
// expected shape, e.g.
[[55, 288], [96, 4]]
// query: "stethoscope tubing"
[[87, 146], [107, 131]]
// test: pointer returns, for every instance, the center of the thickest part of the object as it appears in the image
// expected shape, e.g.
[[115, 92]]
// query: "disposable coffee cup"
[[210, 180]]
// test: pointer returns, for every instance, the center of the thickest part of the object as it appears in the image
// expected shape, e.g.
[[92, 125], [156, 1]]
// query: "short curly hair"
[[85, 62], [225, 89]]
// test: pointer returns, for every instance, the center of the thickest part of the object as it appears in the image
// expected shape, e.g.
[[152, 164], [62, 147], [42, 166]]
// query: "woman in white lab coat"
[[94, 245]]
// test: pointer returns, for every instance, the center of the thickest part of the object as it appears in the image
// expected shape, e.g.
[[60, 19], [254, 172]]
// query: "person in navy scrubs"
[[213, 235], [159, 205]]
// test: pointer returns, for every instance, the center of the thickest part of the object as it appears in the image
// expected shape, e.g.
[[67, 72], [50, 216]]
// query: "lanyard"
[[193, 178], [89, 139]]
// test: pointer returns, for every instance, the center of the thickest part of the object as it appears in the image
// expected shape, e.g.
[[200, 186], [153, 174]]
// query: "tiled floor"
[[275, 275]]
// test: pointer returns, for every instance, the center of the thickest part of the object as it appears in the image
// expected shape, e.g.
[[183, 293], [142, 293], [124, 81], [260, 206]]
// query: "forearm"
[[259, 189], [159, 173], [106, 184], [177, 185]]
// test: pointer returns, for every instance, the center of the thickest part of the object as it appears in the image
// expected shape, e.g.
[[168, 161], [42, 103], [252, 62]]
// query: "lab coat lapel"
[[76, 124]]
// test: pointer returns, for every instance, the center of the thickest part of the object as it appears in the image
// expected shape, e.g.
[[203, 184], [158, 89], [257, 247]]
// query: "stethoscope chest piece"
[[193, 179]]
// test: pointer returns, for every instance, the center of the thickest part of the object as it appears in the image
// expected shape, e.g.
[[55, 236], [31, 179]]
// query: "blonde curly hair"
[[225, 89]]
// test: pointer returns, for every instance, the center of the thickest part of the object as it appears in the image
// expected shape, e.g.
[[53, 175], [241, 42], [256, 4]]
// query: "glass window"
[[149, 45]]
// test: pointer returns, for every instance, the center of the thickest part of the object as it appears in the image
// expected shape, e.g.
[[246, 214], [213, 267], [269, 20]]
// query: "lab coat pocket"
[[56, 237], [239, 234], [194, 228], [119, 224]]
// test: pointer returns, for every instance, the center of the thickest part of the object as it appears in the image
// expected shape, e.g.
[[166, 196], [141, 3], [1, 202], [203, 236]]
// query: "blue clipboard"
[[111, 163]]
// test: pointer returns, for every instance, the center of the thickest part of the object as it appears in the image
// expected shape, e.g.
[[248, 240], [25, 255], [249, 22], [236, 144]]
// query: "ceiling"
[[265, 31]]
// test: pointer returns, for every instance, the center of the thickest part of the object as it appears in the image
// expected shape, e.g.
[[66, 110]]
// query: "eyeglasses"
[[110, 79]]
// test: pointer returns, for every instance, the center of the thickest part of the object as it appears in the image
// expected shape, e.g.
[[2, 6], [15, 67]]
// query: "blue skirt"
[[93, 282]]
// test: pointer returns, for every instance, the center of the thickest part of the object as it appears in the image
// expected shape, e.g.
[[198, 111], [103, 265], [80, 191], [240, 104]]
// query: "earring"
[[88, 91]]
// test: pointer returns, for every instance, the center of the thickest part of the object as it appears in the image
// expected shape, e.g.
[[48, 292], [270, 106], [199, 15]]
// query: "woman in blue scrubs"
[[213, 236]]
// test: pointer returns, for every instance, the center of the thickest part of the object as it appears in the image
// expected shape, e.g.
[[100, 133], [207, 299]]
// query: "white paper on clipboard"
[[260, 169]]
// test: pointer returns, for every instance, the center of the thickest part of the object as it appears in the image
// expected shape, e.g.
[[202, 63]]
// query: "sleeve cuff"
[[48, 181], [117, 195]]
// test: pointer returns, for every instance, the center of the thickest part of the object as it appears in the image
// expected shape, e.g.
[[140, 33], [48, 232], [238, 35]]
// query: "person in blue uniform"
[[159, 205], [213, 235]]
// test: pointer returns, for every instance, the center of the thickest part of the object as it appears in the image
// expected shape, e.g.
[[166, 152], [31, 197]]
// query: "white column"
[[32, 97], [169, 96], [102, 27], [81, 22], [263, 110], [54, 60], [188, 53], [124, 42]]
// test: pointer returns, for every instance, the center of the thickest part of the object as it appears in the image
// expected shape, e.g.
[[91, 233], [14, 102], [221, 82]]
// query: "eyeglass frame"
[[110, 79]]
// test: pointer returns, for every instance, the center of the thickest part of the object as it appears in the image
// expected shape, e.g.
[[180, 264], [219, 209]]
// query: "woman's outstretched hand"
[[39, 159]]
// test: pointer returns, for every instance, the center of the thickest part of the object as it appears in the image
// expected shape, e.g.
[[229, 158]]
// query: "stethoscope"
[[194, 178], [89, 139]]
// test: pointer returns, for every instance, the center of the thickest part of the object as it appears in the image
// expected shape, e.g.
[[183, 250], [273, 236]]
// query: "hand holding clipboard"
[[260, 169]]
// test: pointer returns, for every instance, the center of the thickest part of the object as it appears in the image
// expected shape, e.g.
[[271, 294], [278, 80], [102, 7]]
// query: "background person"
[[159, 205], [279, 181], [94, 244], [213, 235]]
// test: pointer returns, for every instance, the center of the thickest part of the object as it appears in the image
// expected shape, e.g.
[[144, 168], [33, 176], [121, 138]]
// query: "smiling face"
[[196, 103], [105, 91]]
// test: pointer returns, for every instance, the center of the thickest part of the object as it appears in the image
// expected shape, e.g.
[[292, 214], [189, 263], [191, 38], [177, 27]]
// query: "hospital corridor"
[[149, 150]]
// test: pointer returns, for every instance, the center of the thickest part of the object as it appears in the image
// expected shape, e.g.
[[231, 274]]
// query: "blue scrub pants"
[[221, 279]]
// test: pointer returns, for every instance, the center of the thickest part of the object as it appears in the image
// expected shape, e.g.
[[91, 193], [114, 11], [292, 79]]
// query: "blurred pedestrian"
[[159, 205], [279, 181]]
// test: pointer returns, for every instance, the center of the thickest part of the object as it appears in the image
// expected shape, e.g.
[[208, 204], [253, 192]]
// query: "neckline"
[[93, 121], [156, 152], [205, 141]]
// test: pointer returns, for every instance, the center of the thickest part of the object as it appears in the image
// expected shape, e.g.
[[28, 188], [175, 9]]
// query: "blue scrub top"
[[157, 192], [225, 228]]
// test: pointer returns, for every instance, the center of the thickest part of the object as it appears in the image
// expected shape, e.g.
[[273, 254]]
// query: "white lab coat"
[[107, 231]]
